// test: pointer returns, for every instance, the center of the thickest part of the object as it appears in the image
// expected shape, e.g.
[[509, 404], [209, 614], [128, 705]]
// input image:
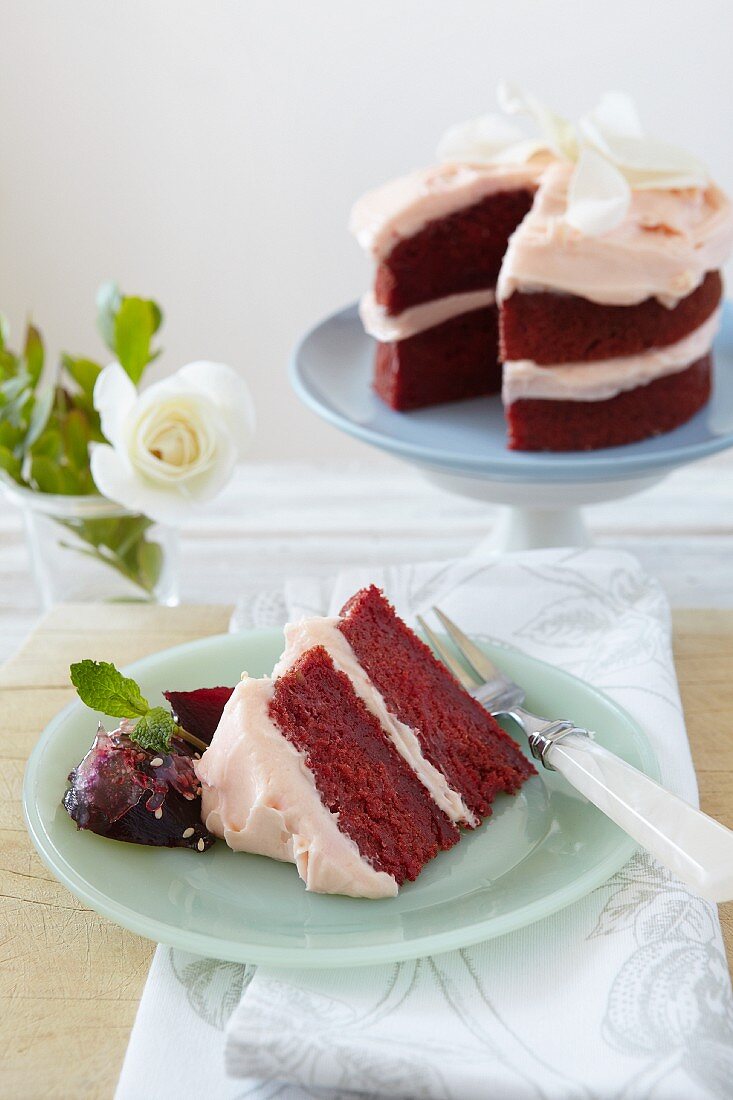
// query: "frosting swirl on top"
[[618, 216], [667, 242]]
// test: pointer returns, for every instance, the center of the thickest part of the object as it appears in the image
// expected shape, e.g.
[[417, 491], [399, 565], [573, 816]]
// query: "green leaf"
[[136, 323], [4, 331], [9, 436], [45, 474], [33, 353], [84, 372], [150, 563], [71, 482], [103, 687], [109, 301], [40, 413], [50, 444], [10, 463], [76, 437], [154, 730], [14, 387]]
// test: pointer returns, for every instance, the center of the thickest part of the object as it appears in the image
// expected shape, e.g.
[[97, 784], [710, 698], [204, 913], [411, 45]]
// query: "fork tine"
[[460, 673], [476, 658]]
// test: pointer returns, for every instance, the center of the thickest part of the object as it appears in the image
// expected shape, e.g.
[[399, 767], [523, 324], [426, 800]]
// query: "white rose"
[[175, 444]]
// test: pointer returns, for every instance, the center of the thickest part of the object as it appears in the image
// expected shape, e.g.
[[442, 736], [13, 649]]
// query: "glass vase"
[[87, 549]]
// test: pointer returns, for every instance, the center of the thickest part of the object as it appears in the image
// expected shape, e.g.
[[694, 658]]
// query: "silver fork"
[[696, 848]]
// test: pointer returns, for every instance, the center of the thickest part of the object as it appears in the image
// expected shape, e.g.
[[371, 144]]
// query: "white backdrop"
[[207, 152]]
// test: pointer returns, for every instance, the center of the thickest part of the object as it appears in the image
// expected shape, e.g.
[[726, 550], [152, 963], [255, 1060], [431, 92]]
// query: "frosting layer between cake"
[[259, 796], [391, 327], [603, 379], [304, 635]]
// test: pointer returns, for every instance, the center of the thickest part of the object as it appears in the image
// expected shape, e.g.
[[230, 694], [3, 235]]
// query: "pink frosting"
[[664, 247], [404, 206], [259, 796], [387, 328], [604, 379]]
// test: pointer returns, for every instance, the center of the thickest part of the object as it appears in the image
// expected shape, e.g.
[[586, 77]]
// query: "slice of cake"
[[437, 238], [358, 760], [587, 262]]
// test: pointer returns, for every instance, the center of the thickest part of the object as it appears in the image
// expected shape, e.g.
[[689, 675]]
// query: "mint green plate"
[[539, 851]]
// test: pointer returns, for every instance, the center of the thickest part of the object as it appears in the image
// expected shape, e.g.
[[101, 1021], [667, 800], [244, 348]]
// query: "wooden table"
[[69, 980]]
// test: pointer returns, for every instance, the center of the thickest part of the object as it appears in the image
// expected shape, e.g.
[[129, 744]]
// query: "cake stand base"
[[535, 515]]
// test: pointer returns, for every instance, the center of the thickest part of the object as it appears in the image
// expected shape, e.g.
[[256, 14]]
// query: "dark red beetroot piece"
[[450, 362], [561, 328], [660, 406], [460, 252], [116, 790], [456, 734], [381, 804], [199, 711]]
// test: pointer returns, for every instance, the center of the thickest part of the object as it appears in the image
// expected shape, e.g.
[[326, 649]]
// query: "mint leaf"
[[154, 730], [102, 687]]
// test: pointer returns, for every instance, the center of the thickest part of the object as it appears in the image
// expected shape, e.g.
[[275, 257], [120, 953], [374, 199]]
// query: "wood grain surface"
[[69, 980]]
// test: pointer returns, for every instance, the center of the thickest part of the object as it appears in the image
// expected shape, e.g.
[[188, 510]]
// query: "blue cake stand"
[[461, 447]]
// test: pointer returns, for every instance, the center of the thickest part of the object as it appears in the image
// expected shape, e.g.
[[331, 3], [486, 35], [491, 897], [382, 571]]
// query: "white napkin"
[[625, 994]]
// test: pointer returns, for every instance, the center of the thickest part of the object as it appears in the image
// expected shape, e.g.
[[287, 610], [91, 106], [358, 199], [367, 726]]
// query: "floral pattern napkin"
[[624, 995]]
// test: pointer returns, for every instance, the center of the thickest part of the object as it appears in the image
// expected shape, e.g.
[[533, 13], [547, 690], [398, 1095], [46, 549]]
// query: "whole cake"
[[578, 273], [358, 760]]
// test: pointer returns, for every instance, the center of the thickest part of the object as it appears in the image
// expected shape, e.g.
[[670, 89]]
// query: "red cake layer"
[[449, 362], [460, 252], [660, 406], [561, 328], [381, 804], [456, 734]]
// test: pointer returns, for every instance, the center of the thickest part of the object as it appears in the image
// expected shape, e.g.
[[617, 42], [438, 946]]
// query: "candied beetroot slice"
[[125, 792], [199, 711]]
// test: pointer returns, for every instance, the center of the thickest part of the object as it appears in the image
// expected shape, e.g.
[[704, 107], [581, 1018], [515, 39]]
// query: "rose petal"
[[616, 111], [614, 130], [478, 141], [159, 406], [117, 481], [225, 388], [114, 398], [212, 481], [557, 131], [522, 152], [598, 196]]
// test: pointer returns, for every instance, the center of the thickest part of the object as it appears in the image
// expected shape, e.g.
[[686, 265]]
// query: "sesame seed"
[[156, 762], [188, 832], [201, 845], [197, 756], [159, 812]]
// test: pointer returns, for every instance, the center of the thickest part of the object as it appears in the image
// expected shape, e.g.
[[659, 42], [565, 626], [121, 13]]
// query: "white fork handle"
[[695, 847]]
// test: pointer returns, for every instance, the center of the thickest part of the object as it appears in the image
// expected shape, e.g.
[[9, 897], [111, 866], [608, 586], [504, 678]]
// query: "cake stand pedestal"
[[538, 514]]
